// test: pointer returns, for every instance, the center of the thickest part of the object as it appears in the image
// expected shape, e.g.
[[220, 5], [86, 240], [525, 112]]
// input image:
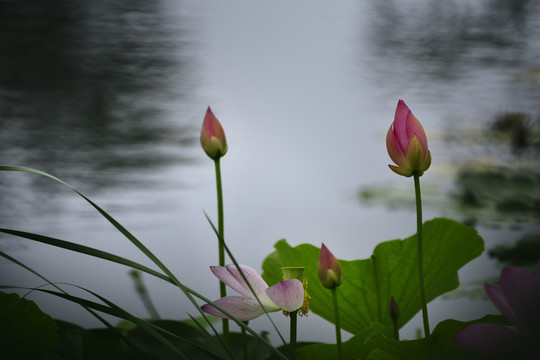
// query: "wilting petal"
[[491, 340], [254, 279], [241, 307], [225, 277], [521, 290], [287, 294]]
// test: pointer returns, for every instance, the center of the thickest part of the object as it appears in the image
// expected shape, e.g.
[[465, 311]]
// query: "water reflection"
[[104, 95], [481, 58], [497, 187], [90, 91], [87, 88], [446, 40]]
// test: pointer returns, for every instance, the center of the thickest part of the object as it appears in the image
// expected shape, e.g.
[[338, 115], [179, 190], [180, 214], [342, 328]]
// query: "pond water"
[[110, 98]]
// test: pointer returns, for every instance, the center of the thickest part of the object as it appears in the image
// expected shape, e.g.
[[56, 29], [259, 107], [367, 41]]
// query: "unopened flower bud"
[[328, 269], [406, 143], [213, 137], [393, 309]]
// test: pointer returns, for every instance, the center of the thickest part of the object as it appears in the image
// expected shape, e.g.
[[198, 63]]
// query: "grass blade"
[[187, 291], [244, 278], [124, 232], [96, 315], [85, 250]]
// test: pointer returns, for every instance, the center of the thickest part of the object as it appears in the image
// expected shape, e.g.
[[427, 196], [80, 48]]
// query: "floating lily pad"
[[525, 252], [25, 330], [391, 271], [377, 343]]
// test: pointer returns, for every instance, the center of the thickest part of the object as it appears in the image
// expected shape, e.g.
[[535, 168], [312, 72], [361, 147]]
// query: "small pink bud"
[[212, 136], [406, 143], [393, 309], [329, 269]]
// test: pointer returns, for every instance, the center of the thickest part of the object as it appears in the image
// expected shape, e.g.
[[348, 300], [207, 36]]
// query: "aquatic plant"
[[257, 298], [518, 299], [369, 289]]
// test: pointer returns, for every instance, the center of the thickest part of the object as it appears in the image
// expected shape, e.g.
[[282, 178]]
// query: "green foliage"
[[354, 348], [377, 342], [391, 271], [103, 343], [79, 343], [25, 330], [167, 275], [367, 287], [128, 325]]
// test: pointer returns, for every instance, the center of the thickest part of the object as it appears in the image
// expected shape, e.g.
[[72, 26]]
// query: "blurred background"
[[110, 97]]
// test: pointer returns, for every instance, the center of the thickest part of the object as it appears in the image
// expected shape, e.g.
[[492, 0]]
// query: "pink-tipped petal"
[[521, 290], [326, 258], [400, 124], [497, 297], [492, 340], [255, 280], [329, 269], [287, 294], [393, 309], [406, 143], [241, 307], [413, 127], [213, 139], [225, 277], [397, 154]]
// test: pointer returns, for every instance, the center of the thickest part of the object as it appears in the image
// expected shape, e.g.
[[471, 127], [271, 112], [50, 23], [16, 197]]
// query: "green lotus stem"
[[292, 343], [420, 261], [396, 329], [244, 341], [222, 287], [141, 290], [338, 327]]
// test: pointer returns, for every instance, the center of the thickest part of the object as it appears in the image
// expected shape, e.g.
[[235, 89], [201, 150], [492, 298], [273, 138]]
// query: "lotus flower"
[[213, 139], [328, 269], [518, 299], [286, 295], [406, 143]]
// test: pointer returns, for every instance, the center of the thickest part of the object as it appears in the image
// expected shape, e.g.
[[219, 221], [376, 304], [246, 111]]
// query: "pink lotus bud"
[[329, 269], [213, 137], [393, 309], [406, 143]]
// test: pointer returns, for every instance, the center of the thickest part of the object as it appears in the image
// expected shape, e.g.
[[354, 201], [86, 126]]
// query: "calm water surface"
[[111, 97]]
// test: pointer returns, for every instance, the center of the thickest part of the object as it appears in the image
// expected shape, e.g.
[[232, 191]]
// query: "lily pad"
[[377, 342], [391, 271], [25, 331], [381, 347], [354, 348]]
